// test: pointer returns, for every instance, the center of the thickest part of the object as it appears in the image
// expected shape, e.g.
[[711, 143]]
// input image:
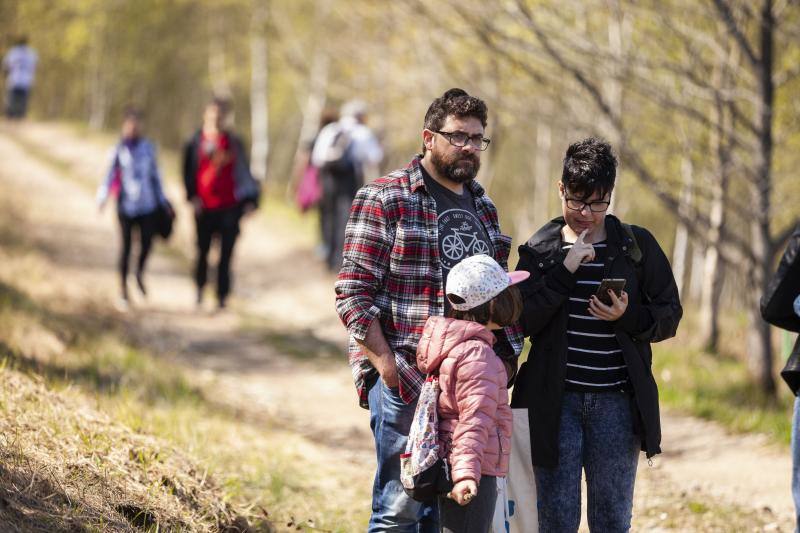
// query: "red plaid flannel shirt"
[[391, 271]]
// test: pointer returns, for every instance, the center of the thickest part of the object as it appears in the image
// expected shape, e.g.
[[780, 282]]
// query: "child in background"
[[474, 416]]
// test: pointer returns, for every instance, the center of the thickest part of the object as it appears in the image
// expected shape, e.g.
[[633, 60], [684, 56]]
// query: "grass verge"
[[99, 434], [720, 389]]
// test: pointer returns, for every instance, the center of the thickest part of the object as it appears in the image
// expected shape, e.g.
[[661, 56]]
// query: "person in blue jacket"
[[133, 177]]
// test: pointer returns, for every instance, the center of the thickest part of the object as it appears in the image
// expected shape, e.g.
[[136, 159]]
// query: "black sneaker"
[[140, 284]]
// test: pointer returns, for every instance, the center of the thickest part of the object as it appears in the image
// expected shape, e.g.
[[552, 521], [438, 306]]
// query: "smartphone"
[[615, 284]]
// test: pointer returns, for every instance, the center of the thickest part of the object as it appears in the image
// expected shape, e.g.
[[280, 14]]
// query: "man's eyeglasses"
[[594, 207], [460, 139]]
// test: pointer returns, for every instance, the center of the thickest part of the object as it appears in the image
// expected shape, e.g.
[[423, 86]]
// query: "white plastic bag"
[[515, 510]]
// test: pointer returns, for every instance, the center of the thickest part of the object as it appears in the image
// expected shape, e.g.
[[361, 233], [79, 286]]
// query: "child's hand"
[[464, 491]]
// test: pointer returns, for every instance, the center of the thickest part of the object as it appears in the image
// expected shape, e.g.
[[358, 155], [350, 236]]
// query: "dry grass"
[[67, 467], [107, 419], [97, 433]]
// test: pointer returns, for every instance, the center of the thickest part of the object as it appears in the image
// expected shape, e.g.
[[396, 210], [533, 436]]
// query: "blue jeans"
[[796, 462], [17, 102], [393, 510], [596, 435]]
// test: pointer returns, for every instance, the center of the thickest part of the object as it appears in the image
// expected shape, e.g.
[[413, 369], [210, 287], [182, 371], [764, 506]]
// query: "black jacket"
[[777, 303], [653, 314], [247, 190]]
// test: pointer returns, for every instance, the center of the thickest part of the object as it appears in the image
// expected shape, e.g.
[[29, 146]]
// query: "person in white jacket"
[[346, 152], [19, 67]]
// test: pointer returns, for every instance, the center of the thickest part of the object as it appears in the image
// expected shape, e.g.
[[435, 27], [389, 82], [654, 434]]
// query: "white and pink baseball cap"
[[478, 279]]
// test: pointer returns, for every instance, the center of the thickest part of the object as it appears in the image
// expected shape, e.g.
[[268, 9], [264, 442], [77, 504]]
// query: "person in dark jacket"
[[221, 188], [780, 306], [588, 383]]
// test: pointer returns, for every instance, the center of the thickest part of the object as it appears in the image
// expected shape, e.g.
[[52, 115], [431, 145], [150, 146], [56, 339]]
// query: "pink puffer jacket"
[[475, 418]]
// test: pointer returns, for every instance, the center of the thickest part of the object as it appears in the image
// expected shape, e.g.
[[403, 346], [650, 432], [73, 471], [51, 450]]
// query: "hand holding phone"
[[614, 284]]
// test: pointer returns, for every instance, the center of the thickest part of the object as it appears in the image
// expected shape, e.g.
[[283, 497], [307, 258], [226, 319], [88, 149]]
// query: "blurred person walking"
[[406, 231], [221, 188], [307, 183], [780, 306], [19, 67], [345, 152], [133, 177]]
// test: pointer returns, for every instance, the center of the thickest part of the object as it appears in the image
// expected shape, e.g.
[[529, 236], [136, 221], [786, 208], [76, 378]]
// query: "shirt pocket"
[[411, 252]]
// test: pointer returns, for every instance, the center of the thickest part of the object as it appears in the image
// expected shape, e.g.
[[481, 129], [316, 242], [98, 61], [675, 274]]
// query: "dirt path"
[[278, 352], [285, 297]]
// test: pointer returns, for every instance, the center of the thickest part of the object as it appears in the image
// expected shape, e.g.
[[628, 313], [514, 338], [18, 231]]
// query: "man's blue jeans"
[[796, 462], [392, 510], [597, 436]]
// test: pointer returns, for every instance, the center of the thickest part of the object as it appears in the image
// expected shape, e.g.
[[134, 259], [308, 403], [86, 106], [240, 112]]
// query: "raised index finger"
[[582, 235]]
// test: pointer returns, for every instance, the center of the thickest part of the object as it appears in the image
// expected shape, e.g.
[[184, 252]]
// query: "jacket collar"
[[416, 181], [547, 241]]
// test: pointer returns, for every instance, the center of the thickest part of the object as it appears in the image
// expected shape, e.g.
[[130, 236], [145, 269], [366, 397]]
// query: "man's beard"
[[460, 168]]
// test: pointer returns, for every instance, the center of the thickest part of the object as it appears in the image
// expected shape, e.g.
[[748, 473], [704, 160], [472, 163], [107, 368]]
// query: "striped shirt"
[[594, 357]]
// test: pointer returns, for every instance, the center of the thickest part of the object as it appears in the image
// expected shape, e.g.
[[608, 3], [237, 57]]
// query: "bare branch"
[[734, 249], [727, 16], [577, 75]]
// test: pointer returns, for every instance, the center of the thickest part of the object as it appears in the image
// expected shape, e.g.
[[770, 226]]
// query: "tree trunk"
[[98, 86], [544, 186], [216, 55], [760, 345], [681, 250], [710, 299], [259, 108], [493, 96], [759, 340], [535, 209], [315, 102], [618, 35], [317, 82], [697, 271], [712, 269]]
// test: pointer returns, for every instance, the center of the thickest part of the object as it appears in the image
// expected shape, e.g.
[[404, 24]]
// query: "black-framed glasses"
[[594, 207], [460, 139]]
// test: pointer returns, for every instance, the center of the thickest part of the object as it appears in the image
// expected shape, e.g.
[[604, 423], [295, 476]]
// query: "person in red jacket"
[[219, 184], [474, 416]]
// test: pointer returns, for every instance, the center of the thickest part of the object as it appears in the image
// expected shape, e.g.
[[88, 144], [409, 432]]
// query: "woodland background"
[[698, 98]]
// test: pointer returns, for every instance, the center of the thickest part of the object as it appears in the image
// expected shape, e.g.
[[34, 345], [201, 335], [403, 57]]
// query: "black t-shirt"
[[461, 233]]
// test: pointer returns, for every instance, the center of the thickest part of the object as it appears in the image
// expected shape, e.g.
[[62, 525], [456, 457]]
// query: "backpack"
[[339, 159], [424, 473], [635, 252], [636, 256]]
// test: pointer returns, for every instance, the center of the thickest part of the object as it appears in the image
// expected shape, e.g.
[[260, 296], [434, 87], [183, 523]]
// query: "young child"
[[474, 416]]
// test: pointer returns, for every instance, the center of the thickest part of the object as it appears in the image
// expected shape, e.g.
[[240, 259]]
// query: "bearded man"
[[405, 232]]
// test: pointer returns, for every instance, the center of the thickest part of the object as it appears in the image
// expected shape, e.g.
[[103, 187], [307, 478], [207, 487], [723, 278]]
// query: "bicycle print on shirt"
[[461, 235]]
